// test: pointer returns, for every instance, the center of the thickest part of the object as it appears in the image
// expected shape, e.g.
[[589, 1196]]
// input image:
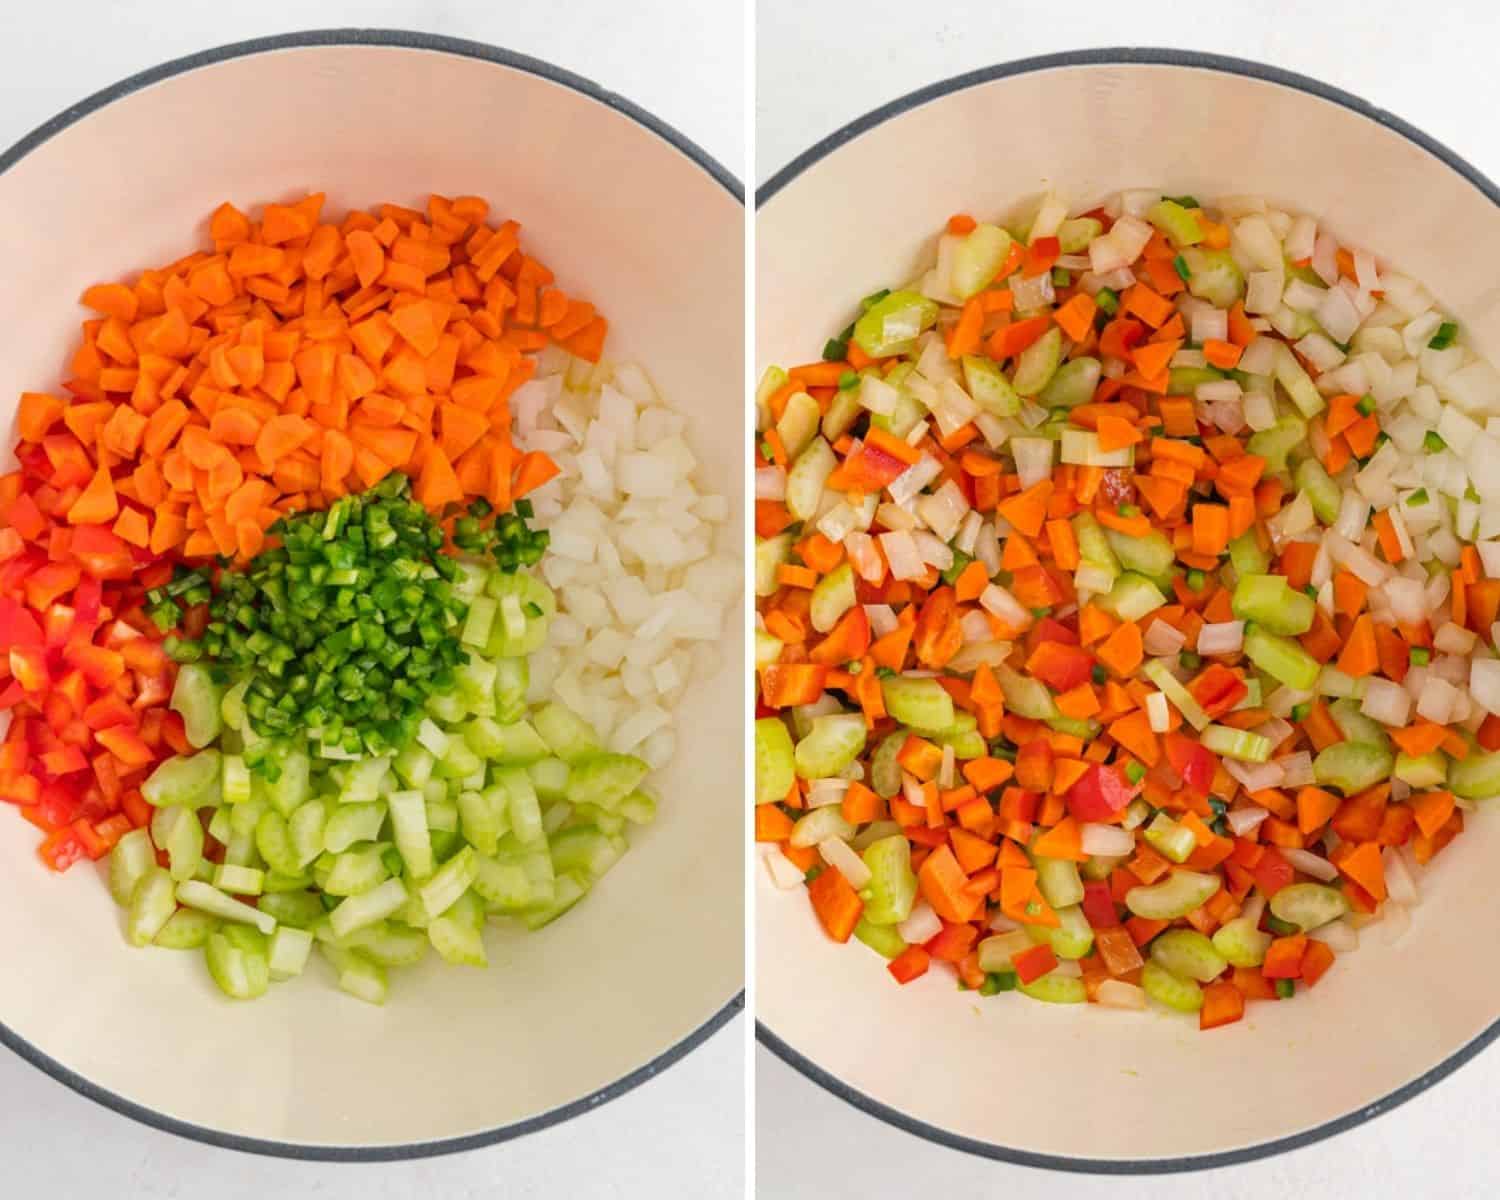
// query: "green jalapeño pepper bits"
[[343, 630]]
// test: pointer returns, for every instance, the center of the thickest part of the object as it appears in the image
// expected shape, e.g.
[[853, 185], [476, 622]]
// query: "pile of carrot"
[[973, 833], [298, 360]]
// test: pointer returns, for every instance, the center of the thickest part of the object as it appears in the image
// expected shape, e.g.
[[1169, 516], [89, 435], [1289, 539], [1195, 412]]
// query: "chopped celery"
[[989, 388], [1299, 386], [1246, 556], [891, 325], [1238, 744], [1282, 659], [182, 780], [299, 909], [1132, 597], [1176, 222], [1308, 905], [287, 952], [883, 939], [362, 780], [774, 769], [197, 697], [1476, 777], [1072, 937], [1172, 839], [967, 743], [892, 889], [238, 961], [235, 781], [1072, 384], [196, 894], [1214, 276], [568, 892], [1093, 546], [1240, 943], [1160, 674], [1075, 234], [351, 823], [1275, 443], [389, 944], [450, 882], [1025, 696], [1175, 896], [606, 779], [1353, 766], [1272, 604], [356, 912], [920, 703], [353, 871], [1324, 494], [799, 421], [843, 410], [832, 597], [770, 553], [1165, 987], [569, 736], [1152, 555], [1423, 772], [819, 824], [1184, 381], [186, 929], [885, 771], [179, 832], [1036, 364], [358, 975], [305, 828], [1058, 880], [835, 741], [241, 881], [639, 808], [1055, 989], [1188, 953], [976, 261], [476, 628], [151, 906], [512, 680], [804, 482], [131, 859], [1355, 726]]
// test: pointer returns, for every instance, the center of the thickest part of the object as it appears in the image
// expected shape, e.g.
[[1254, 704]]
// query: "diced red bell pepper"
[[18, 627], [151, 690], [112, 829], [57, 625], [136, 807], [13, 575], [1098, 905], [69, 460], [58, 803], [20, 788], [64, 761], [73, 688], [88, 598], [100, 666], [101, 552], [1060, 666], [174, 732], [26, 517], [1099, 794], [48, 582], [126, 745], [28, 667], [61, 849], [1192, 761], [12, 544], [1272, 872], [910, 964], [1050, 629]]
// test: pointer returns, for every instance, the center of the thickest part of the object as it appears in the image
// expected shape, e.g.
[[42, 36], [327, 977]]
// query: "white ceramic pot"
[[631, 216], [1093, 1088]]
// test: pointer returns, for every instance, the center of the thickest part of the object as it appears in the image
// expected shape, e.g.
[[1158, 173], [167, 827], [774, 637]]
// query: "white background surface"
[[822, 65], [681, 61]]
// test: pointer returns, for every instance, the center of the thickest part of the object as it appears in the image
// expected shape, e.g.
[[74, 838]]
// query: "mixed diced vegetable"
[[273, 582], [1127, 597]]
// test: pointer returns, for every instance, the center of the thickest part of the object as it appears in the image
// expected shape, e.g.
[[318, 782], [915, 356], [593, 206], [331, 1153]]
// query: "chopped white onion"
[[1310, 864], [1163, 639], [1243, 820], [1221, 637], [921, 926], [1107, 841]]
